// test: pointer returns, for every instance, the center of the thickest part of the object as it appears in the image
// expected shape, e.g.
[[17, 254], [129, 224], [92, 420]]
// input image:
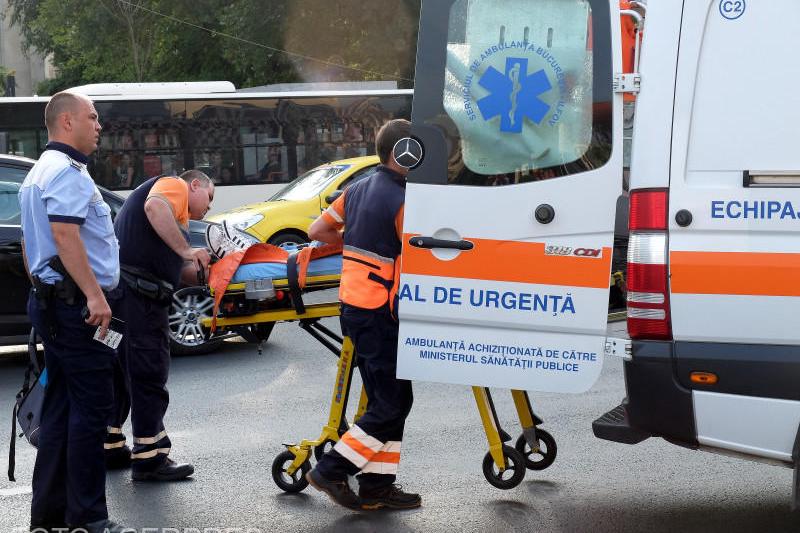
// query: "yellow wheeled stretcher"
[[252, 306]]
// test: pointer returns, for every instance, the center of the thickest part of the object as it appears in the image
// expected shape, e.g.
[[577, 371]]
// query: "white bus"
[[249, 143]]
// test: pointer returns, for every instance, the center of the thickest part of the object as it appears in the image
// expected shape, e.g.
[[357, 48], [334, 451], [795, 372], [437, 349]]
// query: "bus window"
[[520, 92], [140, 139], [247, 139]]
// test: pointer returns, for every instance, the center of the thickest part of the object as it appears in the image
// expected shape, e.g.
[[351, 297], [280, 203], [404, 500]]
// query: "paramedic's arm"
[[322, 231], [328, 226], [160, 215], [72, 253]]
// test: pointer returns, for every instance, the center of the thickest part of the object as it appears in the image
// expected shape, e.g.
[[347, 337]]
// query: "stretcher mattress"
[[324, 266]]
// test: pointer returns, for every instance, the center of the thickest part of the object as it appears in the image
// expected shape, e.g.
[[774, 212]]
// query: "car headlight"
[[243, 222]]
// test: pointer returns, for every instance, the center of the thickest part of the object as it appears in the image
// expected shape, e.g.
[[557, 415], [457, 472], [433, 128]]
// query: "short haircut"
[[388, 135], [59, 103], [191, 175]]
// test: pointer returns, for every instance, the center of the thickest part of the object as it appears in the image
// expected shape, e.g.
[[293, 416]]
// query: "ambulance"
[[516, 161]]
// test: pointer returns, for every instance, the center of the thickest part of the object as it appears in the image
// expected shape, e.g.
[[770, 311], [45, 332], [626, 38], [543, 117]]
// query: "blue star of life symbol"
[[514, 95]]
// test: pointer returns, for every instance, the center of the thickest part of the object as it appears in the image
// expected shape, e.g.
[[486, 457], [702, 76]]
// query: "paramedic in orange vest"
[[371, 213]]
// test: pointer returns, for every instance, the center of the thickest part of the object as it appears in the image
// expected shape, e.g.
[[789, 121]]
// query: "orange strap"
[[308, 254]]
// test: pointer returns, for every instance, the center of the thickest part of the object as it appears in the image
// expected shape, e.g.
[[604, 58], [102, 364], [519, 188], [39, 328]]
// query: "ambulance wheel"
[[286, 482], [546, 454], [322, 449], [511, 476]]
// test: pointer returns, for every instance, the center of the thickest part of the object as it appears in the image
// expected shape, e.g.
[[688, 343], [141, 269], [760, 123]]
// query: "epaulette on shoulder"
[[74, 164]]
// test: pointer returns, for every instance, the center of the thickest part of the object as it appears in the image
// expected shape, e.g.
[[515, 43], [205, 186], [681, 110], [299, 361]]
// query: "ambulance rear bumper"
[[656, 405]]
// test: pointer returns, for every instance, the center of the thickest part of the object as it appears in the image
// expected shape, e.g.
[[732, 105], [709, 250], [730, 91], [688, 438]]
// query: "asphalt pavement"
[[231, 410]]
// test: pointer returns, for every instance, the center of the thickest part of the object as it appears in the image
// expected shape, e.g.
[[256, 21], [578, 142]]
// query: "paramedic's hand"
[[199, 258], [99, 313]]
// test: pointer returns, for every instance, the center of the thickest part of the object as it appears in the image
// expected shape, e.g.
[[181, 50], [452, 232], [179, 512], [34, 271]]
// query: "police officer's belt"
[[146, 284]]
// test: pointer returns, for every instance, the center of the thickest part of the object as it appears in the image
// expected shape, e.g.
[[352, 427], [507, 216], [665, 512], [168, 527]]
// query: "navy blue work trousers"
[[389, 399], [141, 379], [69, 477]]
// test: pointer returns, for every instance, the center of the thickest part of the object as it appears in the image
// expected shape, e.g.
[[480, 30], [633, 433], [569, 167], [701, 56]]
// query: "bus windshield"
[[309, 184]]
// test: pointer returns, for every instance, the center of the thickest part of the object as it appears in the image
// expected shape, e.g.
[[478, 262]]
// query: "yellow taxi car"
[[284, 219]]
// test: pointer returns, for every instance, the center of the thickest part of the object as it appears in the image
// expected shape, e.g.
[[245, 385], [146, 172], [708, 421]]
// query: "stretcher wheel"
[[286, 482], [546, 454], [511, 476], [323, 448]]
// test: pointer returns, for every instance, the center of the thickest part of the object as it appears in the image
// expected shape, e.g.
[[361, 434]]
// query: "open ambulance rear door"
[[509, 215]]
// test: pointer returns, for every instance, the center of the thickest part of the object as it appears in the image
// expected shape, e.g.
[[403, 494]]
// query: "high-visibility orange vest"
[[371, 211]]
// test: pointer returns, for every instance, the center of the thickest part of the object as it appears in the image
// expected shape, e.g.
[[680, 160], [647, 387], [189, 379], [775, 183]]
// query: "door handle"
[[431, 242]]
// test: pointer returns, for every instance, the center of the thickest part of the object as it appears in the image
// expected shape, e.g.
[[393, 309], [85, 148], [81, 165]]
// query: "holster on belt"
[[146, 284], [66, 290]]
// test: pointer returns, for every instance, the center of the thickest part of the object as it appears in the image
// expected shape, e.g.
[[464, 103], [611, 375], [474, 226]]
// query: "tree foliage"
[[249, 42]]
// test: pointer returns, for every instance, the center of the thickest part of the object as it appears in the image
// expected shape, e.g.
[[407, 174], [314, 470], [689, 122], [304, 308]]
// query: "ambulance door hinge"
[[627, 82], [618, 348]]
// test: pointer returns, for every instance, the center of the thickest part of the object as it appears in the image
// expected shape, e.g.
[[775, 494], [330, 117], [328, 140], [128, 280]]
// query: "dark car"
[[14, 284]]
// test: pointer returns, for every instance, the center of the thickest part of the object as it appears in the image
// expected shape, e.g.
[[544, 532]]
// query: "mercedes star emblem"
[[407, 152]]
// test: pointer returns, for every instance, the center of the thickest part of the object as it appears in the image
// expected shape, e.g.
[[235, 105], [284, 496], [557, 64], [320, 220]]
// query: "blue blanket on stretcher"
[[324, 266]]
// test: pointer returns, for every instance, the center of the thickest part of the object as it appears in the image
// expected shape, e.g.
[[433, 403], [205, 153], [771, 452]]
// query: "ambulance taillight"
[[648, 297]]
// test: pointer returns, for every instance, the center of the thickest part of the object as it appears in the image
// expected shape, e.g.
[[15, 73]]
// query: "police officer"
[[153, 232], [72, 256], [371, 212]]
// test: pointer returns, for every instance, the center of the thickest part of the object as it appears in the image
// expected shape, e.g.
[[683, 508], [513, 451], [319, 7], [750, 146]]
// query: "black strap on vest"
[[292, 276], [383, 281]]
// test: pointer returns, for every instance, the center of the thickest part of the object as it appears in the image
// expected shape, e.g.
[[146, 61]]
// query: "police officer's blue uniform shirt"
[[59, 189]]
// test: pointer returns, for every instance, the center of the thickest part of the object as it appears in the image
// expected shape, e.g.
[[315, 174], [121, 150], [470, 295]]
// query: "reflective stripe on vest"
[[367, 278]]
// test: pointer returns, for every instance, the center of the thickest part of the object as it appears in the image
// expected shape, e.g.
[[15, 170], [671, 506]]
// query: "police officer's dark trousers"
[[372, 446], [146, 357], [69, 478], [115, 438]]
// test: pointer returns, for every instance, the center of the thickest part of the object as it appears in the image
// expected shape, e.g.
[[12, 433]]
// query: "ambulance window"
[[527, 90]]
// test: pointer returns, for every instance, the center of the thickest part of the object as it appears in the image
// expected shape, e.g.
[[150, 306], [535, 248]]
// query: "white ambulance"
[[714, 251], [509, 217]]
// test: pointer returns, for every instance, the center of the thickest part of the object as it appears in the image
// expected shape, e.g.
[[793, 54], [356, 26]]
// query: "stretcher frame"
[[504, 466]]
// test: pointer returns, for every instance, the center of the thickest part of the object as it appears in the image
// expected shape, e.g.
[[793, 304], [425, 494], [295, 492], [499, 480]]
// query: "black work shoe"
[[339, 491], [105, 526], [169, 470], [118, 458], [390, 497]]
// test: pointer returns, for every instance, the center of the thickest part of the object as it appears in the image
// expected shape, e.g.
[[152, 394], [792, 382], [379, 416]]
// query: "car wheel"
[[288, 239], [188, 308]]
